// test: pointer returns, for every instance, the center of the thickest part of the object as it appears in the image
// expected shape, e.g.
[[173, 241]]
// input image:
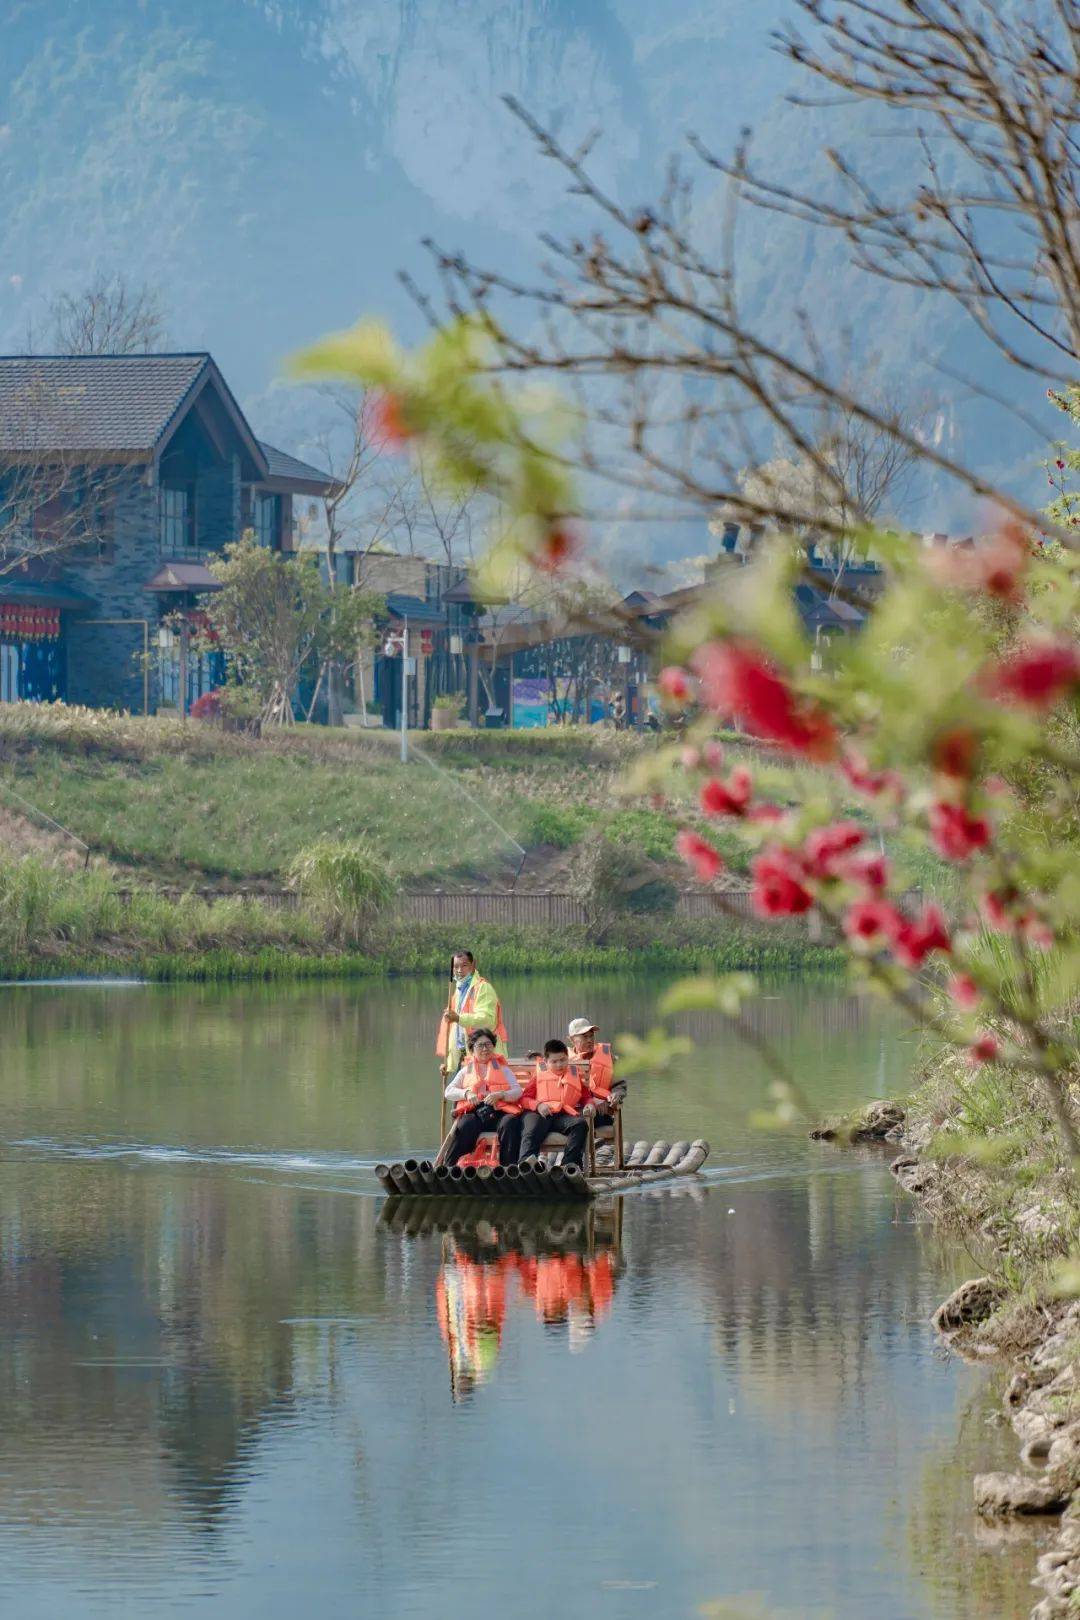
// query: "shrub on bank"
[[344, 884]]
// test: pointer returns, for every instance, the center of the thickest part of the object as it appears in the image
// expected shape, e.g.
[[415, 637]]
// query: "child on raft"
[[557, 1100]]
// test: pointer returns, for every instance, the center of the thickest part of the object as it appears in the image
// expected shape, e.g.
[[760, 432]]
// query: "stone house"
[[120, 477]]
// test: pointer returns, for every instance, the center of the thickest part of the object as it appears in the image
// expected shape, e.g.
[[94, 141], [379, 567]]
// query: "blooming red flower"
[[826, 847], [1038, 675], [674, 683], [729, 798], [868, 868], [560, 545], [867, 922], [984, 1048], [963, 991], [912, 942], [778, 888], [955, 833], [954, 753], [738, 681], [389, 423], [699, 855], [864, 780]]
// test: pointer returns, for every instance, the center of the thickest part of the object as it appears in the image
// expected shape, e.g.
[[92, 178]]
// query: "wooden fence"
[[523, 910]]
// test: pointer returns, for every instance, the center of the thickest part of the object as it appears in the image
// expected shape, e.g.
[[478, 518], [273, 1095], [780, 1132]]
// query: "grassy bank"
[[188, 805], [56, 922]]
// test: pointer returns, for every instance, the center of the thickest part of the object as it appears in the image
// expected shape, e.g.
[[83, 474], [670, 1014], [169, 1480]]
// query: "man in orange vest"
[[473, 1005], [555, 1097], [595, 1064]]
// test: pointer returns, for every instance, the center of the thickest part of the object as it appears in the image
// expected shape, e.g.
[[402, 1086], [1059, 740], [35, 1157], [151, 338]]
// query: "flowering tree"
[[950, 722]]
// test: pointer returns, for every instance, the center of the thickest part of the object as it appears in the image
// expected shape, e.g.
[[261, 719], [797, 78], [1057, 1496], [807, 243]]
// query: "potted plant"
[[446, 711]]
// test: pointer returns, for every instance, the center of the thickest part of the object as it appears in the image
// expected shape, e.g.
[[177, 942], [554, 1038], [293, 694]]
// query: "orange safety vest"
[[442, 1039], [598, 1070], [564, 1093], [498, 1079]]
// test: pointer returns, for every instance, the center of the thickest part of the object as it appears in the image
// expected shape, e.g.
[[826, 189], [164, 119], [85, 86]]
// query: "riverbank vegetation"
[[56, 920]]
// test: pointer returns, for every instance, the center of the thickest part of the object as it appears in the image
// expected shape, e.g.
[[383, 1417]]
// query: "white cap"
[[580, 1026]]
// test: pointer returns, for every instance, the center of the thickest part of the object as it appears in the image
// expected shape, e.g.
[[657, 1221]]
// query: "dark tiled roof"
[[400, 606], [291, 468], [92, 402]]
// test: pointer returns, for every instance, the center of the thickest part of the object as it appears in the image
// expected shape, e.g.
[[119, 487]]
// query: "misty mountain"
[[272, 164]]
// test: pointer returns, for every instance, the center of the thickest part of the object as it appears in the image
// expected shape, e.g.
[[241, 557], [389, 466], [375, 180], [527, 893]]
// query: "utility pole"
[[405, 694]]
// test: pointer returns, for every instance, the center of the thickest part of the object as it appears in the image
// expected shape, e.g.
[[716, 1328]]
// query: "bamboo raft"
[[646, 1164]]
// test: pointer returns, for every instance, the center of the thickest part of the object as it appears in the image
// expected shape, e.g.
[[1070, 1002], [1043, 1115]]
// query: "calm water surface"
[[231, 1388]]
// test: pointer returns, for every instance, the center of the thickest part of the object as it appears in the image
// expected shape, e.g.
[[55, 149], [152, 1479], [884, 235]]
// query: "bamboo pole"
[[399, 1178], [656, 1154], [637, 1154], [693, 1160], [676, 1153]]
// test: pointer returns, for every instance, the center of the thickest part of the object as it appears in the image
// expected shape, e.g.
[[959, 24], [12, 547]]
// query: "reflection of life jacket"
[[498, 1078], [470, 1302], [601, 1279], [564, 1093], [560, 1283], [597, 1070]]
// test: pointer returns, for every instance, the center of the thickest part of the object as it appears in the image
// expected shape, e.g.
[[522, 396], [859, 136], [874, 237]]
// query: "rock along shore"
[[1041, 1341]]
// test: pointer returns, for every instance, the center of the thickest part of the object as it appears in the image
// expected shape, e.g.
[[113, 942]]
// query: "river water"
[[230, 1388]]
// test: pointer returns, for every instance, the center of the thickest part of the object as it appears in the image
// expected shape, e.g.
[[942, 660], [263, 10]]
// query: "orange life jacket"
[[497, 1079], [564, 1093], [442, 1039], [597, 1070]]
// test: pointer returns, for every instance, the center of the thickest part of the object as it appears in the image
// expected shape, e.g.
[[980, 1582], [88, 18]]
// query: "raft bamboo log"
[[456, 1180], [442, 1179], [656, 1153], [676, 1154], [399, 1178], [693, 1161], [427, 1174], [385, 1178], [412, 1172], [637, 1154], [527, 1179]]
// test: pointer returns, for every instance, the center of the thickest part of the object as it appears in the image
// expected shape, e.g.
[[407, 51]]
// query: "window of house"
[[176, 517], [266, 520]]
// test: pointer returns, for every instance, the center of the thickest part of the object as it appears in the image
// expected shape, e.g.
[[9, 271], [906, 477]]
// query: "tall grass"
[[344, 884]]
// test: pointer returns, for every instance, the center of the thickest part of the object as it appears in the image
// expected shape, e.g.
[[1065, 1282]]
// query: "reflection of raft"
[[646, 1164]]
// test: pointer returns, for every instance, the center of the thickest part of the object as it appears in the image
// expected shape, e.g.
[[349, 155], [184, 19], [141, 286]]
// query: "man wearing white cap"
[[593, 1061]]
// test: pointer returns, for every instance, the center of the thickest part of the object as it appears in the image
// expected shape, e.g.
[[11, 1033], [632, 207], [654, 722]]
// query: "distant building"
[[426, 598], [121, 476]]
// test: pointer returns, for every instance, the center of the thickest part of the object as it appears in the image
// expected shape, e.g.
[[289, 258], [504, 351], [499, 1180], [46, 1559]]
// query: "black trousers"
[[470, 1127], [539, 1126]]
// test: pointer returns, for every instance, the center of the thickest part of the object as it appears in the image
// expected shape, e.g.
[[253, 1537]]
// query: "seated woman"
[[485, 1092]]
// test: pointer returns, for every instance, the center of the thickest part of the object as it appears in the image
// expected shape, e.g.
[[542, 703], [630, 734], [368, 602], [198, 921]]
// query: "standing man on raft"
[[472, 1004]]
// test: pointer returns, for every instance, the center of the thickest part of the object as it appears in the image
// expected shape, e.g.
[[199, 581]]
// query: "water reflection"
[[562, 1267], [233, 1383]]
